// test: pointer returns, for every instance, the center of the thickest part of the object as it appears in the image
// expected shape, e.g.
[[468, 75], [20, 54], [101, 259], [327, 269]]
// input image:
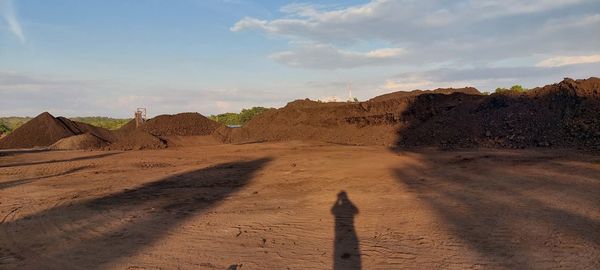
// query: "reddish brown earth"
[[393, 204], [281, 206]]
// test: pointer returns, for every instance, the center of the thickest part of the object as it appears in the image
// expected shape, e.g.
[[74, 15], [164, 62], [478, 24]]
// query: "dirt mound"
[[566, 114], [41, 131], [85, 141], [137, 139], [445, 91], [158, 131], [45, 129], [373, 122], [183, 124]]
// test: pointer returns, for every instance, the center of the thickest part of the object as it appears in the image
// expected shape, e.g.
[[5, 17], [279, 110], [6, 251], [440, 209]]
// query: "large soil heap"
[[373, 122], [156, 131], [136, 139], [183, 124], [565, 114], [45, 129]]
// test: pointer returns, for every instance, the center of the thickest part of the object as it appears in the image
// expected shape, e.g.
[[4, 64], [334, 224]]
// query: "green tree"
[[515, 89], [518, 88], [4, 129], [240, 118], [103, 122], [247, 114]]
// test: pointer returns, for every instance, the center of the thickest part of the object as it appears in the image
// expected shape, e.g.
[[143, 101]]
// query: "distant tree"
[[518, 88], [247, 114], [515, 89], [227, 118], [4, 129], [500, 90], [13, 123], [355, 99], [238, 118], [103, 122]]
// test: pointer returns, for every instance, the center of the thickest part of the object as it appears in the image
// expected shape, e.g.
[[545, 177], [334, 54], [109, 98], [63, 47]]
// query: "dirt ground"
[[299, 205]]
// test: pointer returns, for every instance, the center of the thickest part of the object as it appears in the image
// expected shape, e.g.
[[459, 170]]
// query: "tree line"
[[238, 119]]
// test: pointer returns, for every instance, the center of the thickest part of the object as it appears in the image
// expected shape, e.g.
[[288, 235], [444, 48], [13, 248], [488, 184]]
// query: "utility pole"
[[349, 87]]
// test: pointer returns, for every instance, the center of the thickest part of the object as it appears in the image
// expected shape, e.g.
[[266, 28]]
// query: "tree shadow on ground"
[[58, 161], [98, 232], [531, 215], [346, 254]]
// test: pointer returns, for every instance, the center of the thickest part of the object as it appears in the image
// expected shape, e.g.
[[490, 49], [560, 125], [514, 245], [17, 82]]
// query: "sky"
[[109, 57]]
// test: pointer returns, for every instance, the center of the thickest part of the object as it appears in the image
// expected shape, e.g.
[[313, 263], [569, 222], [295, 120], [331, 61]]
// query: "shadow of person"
[[346, 254]]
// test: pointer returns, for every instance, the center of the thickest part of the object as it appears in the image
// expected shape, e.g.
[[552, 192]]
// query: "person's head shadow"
[[346, 254]]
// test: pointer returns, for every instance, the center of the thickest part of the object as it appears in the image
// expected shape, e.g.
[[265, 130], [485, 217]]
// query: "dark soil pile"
[[85, 141], [45, 129], [566, 114], [446, 91], [137, 139], [41, 131], [156, 131], [373, 122], [183, 124]]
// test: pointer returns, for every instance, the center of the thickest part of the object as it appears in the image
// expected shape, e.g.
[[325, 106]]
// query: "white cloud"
[[558, 61], [248, 23], [390, 19], [8, 13], [385, 53], [30, 94], [432, 31], [322, 56]]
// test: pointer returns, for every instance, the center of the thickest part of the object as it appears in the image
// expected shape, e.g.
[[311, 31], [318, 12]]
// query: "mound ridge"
[[373, 122], [155, 132], [182, 124], [566, 114]]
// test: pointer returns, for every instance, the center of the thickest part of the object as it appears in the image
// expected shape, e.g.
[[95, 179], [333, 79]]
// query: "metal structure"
[[140, 117], [350, 97]]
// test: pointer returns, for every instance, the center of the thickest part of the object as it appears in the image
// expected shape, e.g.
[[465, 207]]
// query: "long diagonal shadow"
[[119, 225], [493, 212], [346, 250]]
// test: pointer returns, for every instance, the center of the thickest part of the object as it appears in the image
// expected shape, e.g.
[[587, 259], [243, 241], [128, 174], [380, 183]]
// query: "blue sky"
[[108, 57]]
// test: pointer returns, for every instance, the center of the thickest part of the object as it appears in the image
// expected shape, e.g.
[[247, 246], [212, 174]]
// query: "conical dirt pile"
[[41, 131]]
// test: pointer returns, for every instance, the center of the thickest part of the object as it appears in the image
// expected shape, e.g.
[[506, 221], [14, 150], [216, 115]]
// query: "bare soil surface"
[[299, 205]]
